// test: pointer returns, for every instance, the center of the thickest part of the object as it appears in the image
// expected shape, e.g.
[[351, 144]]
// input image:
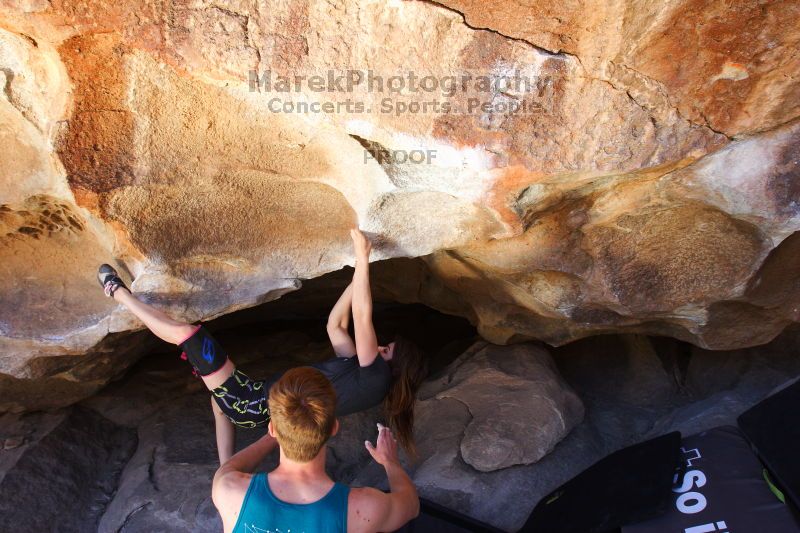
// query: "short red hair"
[[302, 406]]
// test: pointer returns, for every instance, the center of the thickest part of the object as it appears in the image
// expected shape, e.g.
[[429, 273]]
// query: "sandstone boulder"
[[519, 407], [651, 187]]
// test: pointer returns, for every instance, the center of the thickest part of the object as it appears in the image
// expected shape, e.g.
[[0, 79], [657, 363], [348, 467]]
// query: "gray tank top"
[[357, 388]]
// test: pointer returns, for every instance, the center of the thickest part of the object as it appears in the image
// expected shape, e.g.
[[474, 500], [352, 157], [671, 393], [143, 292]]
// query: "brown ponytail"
[[409, 368]]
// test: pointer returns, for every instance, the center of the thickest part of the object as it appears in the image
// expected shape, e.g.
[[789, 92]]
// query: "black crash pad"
[[722, 489], [628, 486], [773, 429]]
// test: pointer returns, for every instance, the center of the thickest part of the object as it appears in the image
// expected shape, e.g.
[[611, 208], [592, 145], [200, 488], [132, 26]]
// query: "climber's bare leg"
[[169, 330], [156, 321], [226, 433], [176, 332], [219, 377]]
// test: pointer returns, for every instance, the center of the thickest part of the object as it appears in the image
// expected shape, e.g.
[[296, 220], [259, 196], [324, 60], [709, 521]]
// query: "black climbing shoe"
[[109, 280]]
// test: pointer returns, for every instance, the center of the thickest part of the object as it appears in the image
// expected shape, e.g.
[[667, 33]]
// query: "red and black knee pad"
[[204, 352]]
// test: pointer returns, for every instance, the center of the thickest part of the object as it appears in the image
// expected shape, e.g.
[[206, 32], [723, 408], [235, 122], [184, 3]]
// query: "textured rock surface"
[[654, 189], [727, 66], [63, 481], [519, 407]]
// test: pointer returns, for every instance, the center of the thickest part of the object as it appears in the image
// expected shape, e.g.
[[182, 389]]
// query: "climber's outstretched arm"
[[366, 340], [338, 322]]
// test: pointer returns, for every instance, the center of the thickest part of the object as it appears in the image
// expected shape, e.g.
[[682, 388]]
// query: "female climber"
[[362, 373]]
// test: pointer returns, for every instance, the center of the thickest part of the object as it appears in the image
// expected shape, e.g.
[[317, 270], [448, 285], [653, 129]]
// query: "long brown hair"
[[409, 369]]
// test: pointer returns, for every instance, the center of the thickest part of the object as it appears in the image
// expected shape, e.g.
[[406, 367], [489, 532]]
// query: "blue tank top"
[[263, 512]]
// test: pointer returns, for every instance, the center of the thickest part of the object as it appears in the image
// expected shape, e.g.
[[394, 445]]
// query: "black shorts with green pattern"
[[243, 400]]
